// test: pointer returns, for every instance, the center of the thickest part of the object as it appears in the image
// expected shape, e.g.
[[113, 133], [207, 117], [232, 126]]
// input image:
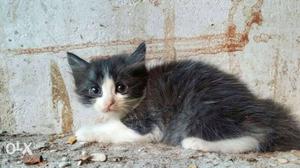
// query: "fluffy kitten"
[[185, 103]]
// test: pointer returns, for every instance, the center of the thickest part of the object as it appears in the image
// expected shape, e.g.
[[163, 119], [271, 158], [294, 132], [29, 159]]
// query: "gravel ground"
[[56, 152]]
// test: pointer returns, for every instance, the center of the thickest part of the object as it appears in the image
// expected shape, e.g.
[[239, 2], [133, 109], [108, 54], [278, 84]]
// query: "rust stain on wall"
[[60, 95], [7, 118], [237, 42], [229, 41], [169, 30]]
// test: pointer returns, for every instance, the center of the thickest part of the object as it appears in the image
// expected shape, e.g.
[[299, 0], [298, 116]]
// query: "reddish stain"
[[244, 39], [229, 41], [231, 30], [256, 18]]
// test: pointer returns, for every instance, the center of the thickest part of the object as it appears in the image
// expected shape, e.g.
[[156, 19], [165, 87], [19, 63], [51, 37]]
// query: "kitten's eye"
[[94, 91], [121, 88]]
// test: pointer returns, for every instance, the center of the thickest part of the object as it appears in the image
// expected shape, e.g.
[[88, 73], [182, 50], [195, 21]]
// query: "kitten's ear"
[[76, 63], [138, 55]]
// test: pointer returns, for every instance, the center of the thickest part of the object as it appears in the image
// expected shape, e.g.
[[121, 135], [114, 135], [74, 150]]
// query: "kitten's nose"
[[110, 104]]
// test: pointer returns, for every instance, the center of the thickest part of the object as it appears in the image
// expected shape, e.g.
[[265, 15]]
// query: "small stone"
[[293, 158], [32, 159], [192, 166], [3, 132], [53, 150], [140, 150], [252, 160], [79, 163], [282, 161], [117, 159], [64, 159], [77, 146], [98, 157], [84, 153], [297, 162], [215, 163], [60, 135], [72, 140], [296, 152], [85, 158], [227, 163], [64, 164]]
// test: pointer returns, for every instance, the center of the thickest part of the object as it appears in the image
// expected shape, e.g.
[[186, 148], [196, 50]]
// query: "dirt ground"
[[56, 152]]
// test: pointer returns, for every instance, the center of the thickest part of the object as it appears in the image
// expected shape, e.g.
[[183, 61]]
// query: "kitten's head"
[[113, 85]]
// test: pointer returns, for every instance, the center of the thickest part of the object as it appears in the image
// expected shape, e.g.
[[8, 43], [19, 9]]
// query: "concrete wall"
[[258, 40]]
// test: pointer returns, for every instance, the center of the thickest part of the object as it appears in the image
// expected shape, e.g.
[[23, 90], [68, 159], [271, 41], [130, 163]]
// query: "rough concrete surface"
[[257, 40], [56, 151]]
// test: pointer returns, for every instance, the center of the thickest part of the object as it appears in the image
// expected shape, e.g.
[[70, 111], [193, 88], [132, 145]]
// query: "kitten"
[[187, 103]]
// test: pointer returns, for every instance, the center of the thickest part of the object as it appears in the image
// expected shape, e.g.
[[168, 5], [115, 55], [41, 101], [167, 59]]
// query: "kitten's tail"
[[286, 135]]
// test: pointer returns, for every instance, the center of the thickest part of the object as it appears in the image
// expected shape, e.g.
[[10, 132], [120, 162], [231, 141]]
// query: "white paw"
[[84, 134], [195, 144], [154, 136]]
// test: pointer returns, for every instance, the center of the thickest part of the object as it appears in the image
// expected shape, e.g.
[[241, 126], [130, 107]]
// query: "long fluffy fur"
[[193, 99]]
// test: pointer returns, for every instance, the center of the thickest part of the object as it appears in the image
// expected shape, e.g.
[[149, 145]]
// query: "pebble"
[[98, 157], [53, 150], [296, 153], [6, 160], [84, 153], [77, 146], [192, 166], [32, 159], [117, 159], [297, 162], [64, 159], [215, 163], [64, 164], [79, 163], [273, 165], [71, 140], [140, 150], [282, 161], [227, 164]]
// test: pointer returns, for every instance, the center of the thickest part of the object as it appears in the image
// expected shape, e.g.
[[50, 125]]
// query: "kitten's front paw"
[[84, 134]]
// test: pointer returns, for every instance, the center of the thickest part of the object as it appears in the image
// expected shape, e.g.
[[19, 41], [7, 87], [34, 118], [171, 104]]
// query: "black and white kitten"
[[185, 103]]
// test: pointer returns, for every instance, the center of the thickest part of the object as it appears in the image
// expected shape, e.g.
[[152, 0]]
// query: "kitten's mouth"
[[110, 110]]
